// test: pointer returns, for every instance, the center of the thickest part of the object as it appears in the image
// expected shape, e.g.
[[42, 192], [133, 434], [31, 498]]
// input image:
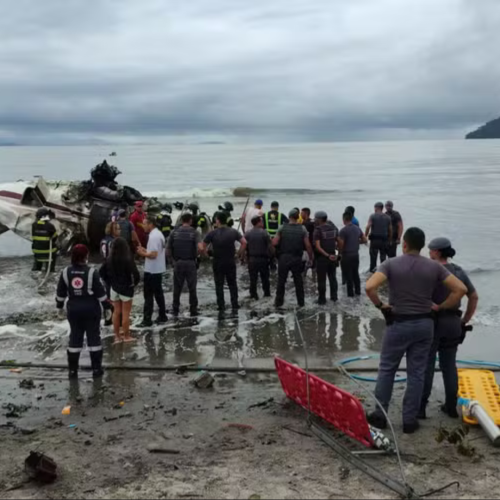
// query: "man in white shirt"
[[154, 268], [255, 211]]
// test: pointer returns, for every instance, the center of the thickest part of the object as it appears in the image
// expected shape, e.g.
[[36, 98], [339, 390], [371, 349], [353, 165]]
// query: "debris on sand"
[[159, 448], [40, 467], [203, 380], [262, 404], [27, 383], [15, 411]]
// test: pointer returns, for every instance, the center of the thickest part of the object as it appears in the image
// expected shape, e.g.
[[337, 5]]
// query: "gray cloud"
[[282, 70]]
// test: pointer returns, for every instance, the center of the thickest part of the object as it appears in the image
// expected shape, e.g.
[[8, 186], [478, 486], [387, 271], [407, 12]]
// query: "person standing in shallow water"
[[121, 273], [379, 232], [449, 330], [410, 325], [397, 229]]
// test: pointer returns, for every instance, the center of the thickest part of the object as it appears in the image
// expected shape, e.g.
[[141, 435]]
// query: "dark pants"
[[290, 263], [153, 290], [259, 266], [38, 264], [350, 269], [376, 247], [413, 338], [84, 320], [447, 333], [392, 250], [185, 271], [225, 271], [325, 267]]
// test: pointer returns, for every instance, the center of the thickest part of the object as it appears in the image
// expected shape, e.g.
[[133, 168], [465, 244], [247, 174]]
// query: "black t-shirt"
[[223, 240], [395, 220], [309, 225]]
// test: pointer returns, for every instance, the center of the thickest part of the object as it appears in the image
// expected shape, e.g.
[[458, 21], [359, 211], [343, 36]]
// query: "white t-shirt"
[[156, 243], [250, 214]]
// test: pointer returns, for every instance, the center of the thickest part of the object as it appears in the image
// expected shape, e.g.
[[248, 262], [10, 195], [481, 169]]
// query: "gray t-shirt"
[[380, 226], [441, 293], [351, 236], [258, 242], [412, 281]]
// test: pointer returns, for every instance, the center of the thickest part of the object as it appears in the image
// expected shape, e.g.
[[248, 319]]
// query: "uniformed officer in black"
[[227, 207], [182, 251], [81, 286], [223, 241], [44, 237], [164, 220], [292, 240], [325, 243], [259, 250]]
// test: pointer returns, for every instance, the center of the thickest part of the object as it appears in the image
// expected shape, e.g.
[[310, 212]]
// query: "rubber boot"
[[96, 360], [73, 362]]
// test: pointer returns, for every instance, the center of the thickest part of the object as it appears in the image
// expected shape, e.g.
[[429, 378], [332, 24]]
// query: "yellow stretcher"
[[480, 386]]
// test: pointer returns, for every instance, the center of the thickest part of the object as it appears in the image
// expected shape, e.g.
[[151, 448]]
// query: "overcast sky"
[[246, 70]]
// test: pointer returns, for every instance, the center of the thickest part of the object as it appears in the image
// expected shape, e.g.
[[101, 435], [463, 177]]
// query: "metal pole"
[[244, 211]]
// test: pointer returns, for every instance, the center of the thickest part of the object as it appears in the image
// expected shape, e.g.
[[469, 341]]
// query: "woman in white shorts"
[[121, 274]]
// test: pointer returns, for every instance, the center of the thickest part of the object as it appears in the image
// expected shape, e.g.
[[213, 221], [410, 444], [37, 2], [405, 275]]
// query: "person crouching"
[[81, 287]]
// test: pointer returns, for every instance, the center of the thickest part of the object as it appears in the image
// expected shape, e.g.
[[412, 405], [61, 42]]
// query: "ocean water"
[[448, 188]]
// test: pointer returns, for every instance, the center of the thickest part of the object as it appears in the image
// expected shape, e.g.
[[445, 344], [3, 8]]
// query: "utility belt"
[[448, 312], [378, 237]]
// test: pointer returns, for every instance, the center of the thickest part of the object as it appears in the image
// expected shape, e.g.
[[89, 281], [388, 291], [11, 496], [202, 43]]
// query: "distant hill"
[[490, 130]]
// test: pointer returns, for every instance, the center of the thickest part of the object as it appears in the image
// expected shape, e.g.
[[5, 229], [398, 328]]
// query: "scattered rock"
[[203, 380], [110, 419], [40, 467], [15, 411], [344, 473], [27, 383], [26, 431], [159, 448], [87, 442], [262, 404], [242, 373], [188, 436]]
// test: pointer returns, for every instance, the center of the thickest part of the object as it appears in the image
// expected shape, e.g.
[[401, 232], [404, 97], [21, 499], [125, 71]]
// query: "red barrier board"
[[336, 406]]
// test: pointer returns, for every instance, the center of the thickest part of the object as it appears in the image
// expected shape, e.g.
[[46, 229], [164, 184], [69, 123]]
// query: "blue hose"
[[366, 378]]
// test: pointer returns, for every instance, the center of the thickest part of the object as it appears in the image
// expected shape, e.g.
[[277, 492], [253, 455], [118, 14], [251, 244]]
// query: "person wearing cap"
[[397, 229], [449, 330], [259, 251], [350, 237], [44, 241], [81, 289], [412, 280], [292, 240], [379, 232], [325, 244], [274, 219], [255, 211], [137, 219]]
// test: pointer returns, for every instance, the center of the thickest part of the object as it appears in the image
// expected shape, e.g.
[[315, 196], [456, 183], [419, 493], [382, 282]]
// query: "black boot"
[[96, 360], [73, 361]]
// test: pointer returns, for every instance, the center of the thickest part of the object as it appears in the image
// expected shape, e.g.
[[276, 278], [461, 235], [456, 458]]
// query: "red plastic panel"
[[337, 407]]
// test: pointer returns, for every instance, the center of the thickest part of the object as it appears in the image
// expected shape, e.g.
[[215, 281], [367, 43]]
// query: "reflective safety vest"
[[164, 224], [272, 224], [44, 237]]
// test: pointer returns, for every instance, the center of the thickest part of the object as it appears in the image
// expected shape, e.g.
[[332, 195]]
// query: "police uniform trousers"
[[392, 249], [326, 268], [350, 273], [225, 271], [290, 263], [377, 246], [185, 272], [412, 338], [84, 318], [153, 290], [259, 266], [447, 337]]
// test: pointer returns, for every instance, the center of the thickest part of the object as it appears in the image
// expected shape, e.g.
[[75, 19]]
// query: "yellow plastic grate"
[[480, 386]]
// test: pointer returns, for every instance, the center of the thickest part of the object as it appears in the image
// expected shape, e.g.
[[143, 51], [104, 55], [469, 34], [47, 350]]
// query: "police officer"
[[449, 329], [223, 241], [397, 229], [164, 220], [44, 237], [325, 243], [292, 240], [274, 219], [379, 232], [81, 286], [412, 280], [259, 250], [182, 250], [226, 207]]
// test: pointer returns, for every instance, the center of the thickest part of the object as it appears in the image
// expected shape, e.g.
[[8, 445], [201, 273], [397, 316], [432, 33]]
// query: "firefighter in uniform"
[[164, 220], [227, 207], [44, 237], [81, 286]]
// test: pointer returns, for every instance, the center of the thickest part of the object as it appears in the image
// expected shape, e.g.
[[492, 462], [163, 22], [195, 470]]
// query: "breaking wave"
[[241, 192]]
